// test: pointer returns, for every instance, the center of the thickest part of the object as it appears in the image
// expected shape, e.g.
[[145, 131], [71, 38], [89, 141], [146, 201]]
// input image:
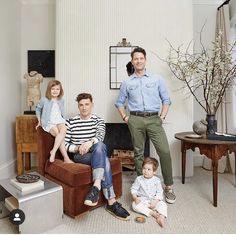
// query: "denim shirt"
[[43, 110], [144, 94]]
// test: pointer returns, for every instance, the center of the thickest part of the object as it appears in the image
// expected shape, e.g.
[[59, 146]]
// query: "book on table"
[[221, 136], [27, 187]]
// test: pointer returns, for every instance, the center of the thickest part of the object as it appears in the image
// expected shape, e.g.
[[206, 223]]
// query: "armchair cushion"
[[75, 174]]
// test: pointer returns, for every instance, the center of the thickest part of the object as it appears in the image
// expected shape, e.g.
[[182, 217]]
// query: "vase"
[[211, 124]]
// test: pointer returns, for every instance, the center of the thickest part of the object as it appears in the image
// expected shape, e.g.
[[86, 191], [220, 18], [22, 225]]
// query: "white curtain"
[[225, 115]]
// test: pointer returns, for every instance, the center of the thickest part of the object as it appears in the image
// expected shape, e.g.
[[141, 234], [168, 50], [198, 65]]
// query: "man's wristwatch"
[[93, 141]]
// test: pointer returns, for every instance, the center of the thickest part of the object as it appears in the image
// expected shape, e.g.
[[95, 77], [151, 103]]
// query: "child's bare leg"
[[64, 152], [52, 156], [160, 219], [59, 134], [58, 137], [154, 214], [62, 147]]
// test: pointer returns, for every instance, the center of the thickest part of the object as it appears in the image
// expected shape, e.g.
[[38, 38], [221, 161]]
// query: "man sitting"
[[85, 133]]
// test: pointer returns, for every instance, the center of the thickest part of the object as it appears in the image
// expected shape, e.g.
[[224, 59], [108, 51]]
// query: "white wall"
[[25, 24], [37, 33], [86, 29], [232, 11], [10, 87], [89, 29]]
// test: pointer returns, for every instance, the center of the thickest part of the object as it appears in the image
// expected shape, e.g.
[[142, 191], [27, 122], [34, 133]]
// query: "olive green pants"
[[152, 126]]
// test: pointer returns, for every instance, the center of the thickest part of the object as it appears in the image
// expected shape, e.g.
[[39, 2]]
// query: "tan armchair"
[[75, 178]]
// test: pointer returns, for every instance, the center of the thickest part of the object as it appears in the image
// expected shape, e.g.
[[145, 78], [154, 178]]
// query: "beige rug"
[[193, 211]]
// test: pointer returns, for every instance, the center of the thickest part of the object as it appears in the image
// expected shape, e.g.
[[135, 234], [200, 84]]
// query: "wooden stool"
[[25, 140]]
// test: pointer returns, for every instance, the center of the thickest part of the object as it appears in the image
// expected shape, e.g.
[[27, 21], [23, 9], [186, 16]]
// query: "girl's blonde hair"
[[51, 84]]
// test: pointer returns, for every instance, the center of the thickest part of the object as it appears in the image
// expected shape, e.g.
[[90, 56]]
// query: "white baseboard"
[[8, 169]]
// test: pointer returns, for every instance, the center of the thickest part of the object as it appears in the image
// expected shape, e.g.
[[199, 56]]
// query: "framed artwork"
[[119, 57], [42, 61]]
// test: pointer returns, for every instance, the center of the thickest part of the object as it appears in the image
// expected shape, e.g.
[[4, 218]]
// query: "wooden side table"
[[213, 149], [25, 140]]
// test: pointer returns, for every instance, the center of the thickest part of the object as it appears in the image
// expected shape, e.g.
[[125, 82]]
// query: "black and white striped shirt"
[[80, 131]]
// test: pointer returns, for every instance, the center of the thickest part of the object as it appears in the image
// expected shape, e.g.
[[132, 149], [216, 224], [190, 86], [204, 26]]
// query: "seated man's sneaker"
[[169, 195], [92, 197], [118, 211]]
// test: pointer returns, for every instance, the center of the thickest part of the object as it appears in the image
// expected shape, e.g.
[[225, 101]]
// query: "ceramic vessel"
[[200, 127]]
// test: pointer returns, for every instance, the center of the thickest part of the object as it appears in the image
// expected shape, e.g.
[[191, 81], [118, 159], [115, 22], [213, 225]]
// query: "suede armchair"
[[75, 178]]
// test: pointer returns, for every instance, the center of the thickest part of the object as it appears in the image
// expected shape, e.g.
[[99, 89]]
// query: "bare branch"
[[211, 70]]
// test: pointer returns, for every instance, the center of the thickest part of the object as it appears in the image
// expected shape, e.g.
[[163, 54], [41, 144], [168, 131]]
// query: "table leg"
[[215, 180], [19, 160], [27, 161], [183, 165], [235, 167]]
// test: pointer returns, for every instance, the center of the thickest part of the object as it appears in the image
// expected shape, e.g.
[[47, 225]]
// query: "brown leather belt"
[[143, 114]]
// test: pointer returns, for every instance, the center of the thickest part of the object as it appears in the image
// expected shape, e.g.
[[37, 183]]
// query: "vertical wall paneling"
[[86, 28]]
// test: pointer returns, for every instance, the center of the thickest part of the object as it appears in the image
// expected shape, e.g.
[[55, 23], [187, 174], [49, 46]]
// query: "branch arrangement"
[[212, 71]]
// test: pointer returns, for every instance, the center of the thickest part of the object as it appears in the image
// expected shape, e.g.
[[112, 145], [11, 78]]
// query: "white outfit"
[[55, 117], [148, 189]]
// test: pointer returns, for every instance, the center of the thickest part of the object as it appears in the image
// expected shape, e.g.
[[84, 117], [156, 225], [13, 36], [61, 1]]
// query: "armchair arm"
[[45, 144]]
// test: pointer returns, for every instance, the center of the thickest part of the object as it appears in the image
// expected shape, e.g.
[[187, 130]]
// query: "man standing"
[[148, 103], [85, 133]]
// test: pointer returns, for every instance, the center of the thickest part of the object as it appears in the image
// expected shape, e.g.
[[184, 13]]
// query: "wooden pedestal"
[[26, 141]]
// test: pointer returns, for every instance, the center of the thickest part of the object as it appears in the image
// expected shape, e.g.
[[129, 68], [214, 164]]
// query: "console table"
[[213, 149], [25, 140]]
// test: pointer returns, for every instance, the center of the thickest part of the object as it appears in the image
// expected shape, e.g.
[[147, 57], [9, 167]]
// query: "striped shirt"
[[80, 131]]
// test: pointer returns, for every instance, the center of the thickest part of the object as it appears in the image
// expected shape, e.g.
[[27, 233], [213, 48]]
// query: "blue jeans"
[[101, 167]]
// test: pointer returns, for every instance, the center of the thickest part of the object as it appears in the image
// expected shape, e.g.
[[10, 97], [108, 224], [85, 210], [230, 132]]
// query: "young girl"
[[50, 111], [147, 193]]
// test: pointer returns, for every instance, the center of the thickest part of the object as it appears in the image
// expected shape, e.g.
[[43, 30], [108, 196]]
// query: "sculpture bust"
[[33, 87]]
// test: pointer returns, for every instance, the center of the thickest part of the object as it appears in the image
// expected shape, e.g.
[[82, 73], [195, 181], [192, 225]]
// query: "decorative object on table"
[[140, 219], [211, 123], [33, 79], [207, 74], [200, 127], [27, 178], [222, 136]]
